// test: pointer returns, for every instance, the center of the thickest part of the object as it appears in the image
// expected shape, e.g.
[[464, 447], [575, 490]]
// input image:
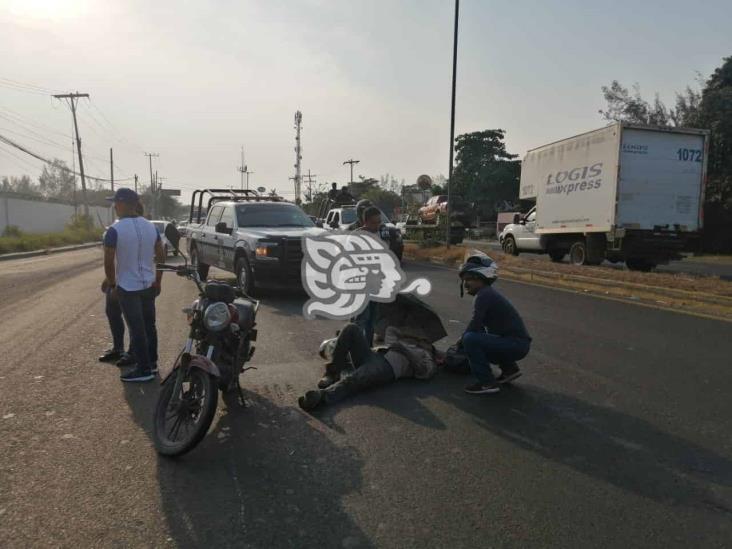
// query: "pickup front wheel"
[[244, 275], [509, 245]]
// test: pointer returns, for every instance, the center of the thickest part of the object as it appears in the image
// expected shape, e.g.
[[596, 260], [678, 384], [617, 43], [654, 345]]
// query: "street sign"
[[171, 192]]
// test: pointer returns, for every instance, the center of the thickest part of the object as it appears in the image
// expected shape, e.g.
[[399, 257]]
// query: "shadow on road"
[[264, 476], [622, 450]]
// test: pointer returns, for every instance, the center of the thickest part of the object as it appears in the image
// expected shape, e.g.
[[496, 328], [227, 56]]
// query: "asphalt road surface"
[[721, 269], [618, 435]]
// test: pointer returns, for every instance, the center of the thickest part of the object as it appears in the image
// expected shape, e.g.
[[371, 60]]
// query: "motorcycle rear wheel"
[[176, 432]]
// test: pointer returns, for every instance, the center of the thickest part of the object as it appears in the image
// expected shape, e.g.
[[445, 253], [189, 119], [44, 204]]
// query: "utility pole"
[[351, 162], [111, 167], [452, 119], [242, 169], [310, 177], [73, 98], [247, 172], [135, 182], [152, 184], [298, 156]]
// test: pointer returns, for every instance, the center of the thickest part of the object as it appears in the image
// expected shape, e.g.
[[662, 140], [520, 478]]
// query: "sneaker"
[[508, 374], [310, 400], [112, 355], [137, 375], [479, 388], [126, 360]]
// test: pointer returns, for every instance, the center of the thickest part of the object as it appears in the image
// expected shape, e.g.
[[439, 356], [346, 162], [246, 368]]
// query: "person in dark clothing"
[[344, 196], [333, 192], [496, 333], [403, 357]]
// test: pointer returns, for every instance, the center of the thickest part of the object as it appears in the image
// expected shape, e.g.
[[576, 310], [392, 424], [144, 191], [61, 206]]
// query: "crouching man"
[[496, 333], [404, 357]]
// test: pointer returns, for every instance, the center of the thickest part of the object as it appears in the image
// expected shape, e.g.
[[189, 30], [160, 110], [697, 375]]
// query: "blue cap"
[[124, 194]]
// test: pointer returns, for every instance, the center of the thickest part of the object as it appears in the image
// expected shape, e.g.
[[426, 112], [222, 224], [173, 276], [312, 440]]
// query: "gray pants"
[[370, 368]]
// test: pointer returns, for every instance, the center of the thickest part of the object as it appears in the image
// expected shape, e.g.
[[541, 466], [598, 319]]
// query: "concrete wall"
[[32, 216]]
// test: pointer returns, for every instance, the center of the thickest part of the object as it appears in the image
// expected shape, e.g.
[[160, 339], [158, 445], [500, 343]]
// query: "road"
[[616, 436], [696, 267]]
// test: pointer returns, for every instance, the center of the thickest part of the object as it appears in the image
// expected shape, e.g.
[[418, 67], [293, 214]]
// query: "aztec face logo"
[[342, 272]]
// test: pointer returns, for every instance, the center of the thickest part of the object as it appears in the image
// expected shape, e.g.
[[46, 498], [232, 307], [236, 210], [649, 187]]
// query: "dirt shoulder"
[[701, 295]]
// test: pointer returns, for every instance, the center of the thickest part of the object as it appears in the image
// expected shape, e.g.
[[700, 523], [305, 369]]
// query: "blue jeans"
[[116, 324], [485, 349], [138, 309]]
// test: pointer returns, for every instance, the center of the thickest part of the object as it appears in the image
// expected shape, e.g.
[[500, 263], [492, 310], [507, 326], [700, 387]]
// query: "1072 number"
[[689, 155]]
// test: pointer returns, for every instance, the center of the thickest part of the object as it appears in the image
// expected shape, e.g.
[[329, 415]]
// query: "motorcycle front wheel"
[[179, 425]]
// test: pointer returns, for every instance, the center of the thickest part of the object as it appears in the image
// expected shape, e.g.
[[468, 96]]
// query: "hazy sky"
[[194, 81]]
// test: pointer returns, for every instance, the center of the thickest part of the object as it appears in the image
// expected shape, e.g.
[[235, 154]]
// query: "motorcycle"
[[220, 343]]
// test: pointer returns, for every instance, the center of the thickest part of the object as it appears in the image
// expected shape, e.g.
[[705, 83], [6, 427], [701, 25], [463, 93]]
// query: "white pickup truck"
[[622, 193]]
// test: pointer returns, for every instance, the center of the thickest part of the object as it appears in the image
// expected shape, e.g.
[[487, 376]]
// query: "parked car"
[[160, 227], [345, 217]]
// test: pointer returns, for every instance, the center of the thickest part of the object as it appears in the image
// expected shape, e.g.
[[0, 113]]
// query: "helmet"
[[478, 263], [361, 206], [326, 349]]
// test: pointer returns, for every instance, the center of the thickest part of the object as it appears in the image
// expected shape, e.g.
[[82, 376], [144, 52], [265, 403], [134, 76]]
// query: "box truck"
[[624, 192]]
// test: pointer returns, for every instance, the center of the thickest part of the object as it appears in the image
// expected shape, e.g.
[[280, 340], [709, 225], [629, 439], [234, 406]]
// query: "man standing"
[[496, 334], [129, 249]]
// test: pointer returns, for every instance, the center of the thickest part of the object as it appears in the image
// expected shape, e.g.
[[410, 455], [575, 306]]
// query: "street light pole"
[[452, 118]]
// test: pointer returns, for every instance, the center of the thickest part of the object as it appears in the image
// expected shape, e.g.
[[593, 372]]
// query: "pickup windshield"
[[348, 216], [272, 215]]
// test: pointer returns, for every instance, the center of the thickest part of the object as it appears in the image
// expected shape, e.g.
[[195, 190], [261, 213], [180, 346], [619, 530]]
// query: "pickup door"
[[208, 247], [525, 233], [226, 241]]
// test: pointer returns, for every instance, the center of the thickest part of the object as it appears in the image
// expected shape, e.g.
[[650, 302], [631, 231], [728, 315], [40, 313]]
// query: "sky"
[[196, 81]]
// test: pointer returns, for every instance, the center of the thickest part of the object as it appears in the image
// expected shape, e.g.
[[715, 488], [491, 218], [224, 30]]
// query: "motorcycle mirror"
[[172, 234]]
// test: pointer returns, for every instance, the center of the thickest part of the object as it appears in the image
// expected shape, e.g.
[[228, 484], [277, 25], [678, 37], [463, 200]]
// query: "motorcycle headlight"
[[217, 317]]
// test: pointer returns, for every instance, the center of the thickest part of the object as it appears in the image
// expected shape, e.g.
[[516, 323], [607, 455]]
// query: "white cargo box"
[[620, 176]]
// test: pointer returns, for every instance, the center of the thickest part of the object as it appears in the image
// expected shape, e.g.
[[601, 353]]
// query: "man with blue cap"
[[130, 248]]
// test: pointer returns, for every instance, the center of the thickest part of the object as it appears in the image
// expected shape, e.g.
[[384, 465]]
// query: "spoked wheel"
[[180, 425]]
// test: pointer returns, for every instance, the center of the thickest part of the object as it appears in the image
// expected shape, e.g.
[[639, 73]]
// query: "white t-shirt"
[[134, 240]]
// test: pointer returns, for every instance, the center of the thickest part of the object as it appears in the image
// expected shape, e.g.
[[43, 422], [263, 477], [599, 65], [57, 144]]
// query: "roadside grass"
[[704, 295], [78, 231]]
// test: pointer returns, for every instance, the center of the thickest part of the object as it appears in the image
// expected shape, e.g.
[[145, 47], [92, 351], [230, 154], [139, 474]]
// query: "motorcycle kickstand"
[[242, 400]]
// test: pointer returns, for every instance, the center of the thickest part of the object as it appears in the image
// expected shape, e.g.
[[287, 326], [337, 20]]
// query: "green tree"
[[57, 182], [20, 185], [485, 172], [385, 199]]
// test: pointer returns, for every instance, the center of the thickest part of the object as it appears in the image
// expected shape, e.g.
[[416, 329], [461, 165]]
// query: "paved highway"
[[616, 436]]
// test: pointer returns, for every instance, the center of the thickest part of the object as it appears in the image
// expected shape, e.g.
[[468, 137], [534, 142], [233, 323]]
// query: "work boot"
[[310, 400], [332, 375]]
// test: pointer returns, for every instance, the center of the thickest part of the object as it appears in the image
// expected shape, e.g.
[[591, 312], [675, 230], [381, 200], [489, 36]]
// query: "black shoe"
[[126, 360], [508, 374], [137, 374], [111, 355], [332, 375], [310, 400], [479, 388]]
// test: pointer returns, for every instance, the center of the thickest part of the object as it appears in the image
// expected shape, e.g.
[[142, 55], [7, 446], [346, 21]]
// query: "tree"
[[56, 181], [485, 172], [20, 185], [384, 199]]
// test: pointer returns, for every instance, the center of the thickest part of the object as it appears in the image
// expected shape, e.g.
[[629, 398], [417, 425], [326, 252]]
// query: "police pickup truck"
[[258, 238]]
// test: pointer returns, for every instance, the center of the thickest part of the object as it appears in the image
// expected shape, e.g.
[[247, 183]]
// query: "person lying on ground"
[[404, 357]]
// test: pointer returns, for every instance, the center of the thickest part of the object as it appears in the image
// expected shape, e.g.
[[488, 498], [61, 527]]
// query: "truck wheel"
[[244, 276], [578, 253], [202, 268], [509, 246], [642, 265], [557, 255]]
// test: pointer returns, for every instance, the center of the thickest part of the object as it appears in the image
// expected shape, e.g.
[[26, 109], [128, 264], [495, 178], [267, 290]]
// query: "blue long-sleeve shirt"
[[494, 313]]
